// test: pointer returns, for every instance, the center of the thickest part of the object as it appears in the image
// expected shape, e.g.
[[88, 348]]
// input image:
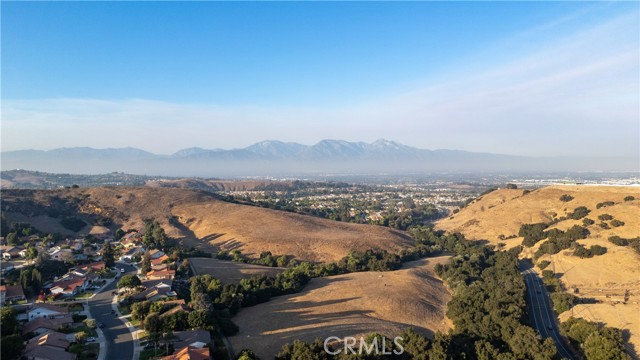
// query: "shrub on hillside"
[[543, 264], [617, 240], [617, 223], [605, 217], [579, 212], [587, 222], [566, 198], [629, 198], [604, 204]]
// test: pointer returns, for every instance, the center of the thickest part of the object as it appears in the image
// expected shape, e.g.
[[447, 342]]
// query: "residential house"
[[156, 254], [155, 292], [50, 311], [189, 353], [131, 253], [159, 260], [186, 338], [131, 239], [65, 255], [46, 353], [49, 346], [12, 293], [3, 293], [9, 252], [70, 285], [41, 325], [175, 309], [161, 274], [94, 266], [75, 244]]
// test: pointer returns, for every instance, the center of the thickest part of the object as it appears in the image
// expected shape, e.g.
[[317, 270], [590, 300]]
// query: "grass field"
[[229, 271], [348, 305]]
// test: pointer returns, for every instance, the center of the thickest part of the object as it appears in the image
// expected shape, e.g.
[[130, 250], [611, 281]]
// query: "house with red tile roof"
[[189, 353]]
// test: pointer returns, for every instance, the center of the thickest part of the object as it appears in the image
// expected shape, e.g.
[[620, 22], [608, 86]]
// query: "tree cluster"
[[12, 342], [595, 341], [154, 236], [595, 250]]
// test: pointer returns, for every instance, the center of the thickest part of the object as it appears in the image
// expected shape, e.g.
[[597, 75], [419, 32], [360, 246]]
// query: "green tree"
[[598, 347], [129, 281], [108, 254], [153, 323], [12, 347], [197, 319], [145, 267], [11, 238], [8, 321], [246, 354]]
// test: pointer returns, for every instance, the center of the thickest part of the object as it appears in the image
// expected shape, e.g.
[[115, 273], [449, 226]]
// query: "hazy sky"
[[507, 77]]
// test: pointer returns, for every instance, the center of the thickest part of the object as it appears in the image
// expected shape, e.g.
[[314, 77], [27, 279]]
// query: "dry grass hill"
[[348, 305], [605, 278], [201, 219]]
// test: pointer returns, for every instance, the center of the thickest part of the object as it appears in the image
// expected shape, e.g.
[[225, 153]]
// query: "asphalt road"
[[541, 312], [118, 338]]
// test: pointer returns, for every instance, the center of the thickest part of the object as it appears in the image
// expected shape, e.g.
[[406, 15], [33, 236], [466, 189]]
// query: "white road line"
[[545, 304]]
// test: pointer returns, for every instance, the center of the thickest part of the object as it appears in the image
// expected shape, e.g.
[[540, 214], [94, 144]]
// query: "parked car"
[[122, 270], [100, 325], [91, 339]]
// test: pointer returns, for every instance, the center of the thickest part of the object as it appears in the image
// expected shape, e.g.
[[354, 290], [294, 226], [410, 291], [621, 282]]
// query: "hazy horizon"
[[527, 79]]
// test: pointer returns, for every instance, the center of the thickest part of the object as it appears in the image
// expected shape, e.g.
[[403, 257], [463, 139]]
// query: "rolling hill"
[[353, 304], [606, 278], [200, 219]]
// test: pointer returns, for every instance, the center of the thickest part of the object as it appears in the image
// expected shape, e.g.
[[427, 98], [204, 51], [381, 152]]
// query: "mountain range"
[[273, 157]]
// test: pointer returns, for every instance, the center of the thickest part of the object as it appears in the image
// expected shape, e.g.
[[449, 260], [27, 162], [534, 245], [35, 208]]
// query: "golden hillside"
[[203, 220], [348, 305], [605, 278]]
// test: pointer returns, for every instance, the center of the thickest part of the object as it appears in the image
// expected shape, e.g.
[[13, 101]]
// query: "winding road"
[[541, 312]]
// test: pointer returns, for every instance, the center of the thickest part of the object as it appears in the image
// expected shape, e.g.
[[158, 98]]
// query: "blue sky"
[[534, 78]]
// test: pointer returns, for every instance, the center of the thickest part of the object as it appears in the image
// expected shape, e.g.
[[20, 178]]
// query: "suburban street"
[[119, 342], [541, 312]]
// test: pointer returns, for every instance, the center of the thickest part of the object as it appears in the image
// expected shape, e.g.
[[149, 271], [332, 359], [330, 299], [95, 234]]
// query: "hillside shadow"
[[308, 320]]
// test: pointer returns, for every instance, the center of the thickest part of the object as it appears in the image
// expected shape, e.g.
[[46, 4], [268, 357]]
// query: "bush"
[[566, 198], [605, 217], [617, 240], [587, 222], [629, 198], [604, 204], [543, 264], [579, 212], [594, 250], [617, 223], [604, 225], [78, 317]]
